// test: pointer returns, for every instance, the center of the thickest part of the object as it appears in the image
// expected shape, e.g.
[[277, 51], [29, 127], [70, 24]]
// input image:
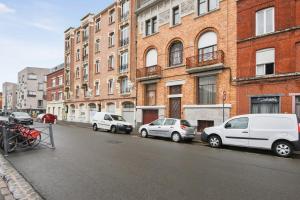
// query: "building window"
[[97, 66], [207, 46], [202, 124], [97, 88], [124, 35], [53, 96], [32, 77], [40, 103], [124, 86], [111, 63], [77, 72], [40, 86], [151, 26], [176, 89], [125, 10], [265, 21], [150, 95], [207, 90], [53, 82], [98, 25], [31, 93], [111, 16], [176, 54], [205, 6], [60, 96], [60, 81], [77, 91], [97, 46], [124, 62], [111, 39], [78, 37], [85, 33], [78, 55], [297, 106], [151, 58], [85, 52], [176, 16], [265, 104], [110, 86], [85, 72], [265, 62]]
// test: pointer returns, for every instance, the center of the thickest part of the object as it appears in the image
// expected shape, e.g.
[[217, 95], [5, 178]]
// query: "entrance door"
[[128, 112], [175, 108], [149, 116]]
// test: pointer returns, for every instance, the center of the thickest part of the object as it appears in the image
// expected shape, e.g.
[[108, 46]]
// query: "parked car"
[[20, 118], [276, 132], [176, 129], [47, 118], [111, 122]]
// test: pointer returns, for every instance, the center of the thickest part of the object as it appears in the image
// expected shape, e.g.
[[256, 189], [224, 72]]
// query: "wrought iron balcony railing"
[[149, 72], [205, 59]]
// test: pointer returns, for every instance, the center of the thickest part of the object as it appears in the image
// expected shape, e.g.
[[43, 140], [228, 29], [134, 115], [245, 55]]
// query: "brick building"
[[186, 57], [268, 77], [55, 92], [1, 107], [100, 64]]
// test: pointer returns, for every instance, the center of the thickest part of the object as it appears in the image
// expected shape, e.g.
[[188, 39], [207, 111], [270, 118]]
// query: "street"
[[98, 165]]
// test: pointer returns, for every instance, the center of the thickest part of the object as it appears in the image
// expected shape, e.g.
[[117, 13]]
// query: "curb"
[[13, 185]]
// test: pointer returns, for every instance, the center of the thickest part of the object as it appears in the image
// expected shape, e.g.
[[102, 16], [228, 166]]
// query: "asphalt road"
[[88, 165]]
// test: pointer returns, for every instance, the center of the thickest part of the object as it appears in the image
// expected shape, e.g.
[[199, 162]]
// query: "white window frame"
[[263, 64], [97, 66], [265, 21]]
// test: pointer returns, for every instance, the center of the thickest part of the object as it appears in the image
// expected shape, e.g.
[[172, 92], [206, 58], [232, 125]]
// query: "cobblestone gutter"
[[13, 186]]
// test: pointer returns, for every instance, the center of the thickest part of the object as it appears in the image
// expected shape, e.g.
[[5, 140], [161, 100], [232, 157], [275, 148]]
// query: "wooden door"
[[175, 108]]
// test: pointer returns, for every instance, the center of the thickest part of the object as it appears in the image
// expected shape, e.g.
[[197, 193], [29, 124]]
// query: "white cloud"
[[5, 9]]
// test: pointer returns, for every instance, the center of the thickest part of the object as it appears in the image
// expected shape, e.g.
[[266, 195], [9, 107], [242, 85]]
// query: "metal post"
[[5, 142], [223, 110], [51, 136]]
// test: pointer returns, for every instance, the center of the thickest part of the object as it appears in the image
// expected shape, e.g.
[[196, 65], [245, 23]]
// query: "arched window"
[[207, 46], [176, 53], [151, 58]]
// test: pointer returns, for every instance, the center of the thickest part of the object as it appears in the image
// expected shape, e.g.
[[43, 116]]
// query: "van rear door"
[[265, 129]]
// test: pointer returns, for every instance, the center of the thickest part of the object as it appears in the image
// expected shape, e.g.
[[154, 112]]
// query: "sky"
[[32, 32]]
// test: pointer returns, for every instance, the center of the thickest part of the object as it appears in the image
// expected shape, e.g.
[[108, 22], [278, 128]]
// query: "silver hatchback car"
[[175, 129]]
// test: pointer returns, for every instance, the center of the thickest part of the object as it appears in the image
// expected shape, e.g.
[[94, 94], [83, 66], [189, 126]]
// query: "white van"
[[277, 132], [111, 122]]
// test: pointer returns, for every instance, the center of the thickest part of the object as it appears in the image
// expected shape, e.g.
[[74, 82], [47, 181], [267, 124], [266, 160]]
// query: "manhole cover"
[[114, 142]]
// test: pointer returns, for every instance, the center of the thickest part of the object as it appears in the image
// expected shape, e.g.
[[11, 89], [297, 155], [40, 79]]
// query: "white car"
[[111, 122], [175, 129], [277, 132]]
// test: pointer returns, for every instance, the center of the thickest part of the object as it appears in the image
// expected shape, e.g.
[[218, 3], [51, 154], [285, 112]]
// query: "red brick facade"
[[284, 83], [57, 88]]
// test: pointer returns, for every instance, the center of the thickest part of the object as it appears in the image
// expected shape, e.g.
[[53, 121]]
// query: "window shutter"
[[265, 56]]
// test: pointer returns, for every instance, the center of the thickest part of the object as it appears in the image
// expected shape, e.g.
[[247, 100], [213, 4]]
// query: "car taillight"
[[299, 128]]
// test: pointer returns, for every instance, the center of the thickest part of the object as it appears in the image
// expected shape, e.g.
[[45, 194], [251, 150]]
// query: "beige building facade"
[[9, 96], [186, 58], [100, 64]]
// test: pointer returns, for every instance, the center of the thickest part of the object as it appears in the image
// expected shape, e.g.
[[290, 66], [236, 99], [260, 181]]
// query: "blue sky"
[[32, 32]]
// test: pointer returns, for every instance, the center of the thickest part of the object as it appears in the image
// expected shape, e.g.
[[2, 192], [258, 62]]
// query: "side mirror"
[[228, 125]]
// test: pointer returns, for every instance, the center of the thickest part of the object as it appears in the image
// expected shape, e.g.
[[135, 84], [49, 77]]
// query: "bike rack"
[[46, 138]]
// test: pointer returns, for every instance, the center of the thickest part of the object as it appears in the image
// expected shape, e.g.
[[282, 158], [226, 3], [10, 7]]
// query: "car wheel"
[[144, 133], [176, 137], [113, 129], [215, 141], [95, 128], [283, 149]]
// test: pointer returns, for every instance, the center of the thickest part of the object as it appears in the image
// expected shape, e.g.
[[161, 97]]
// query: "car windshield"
[[185, 123], [21, 114], [118, 118]]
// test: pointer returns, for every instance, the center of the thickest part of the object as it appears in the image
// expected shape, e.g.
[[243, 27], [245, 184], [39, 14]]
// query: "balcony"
[[125, 91], [124, 16], [85, 57], [124, 42], [85, 77], [123, 68], [149, 73], [205, 62]]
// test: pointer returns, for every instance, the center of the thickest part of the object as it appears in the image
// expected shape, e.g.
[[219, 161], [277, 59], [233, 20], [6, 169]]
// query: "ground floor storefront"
[[281, 96], [84, 111]]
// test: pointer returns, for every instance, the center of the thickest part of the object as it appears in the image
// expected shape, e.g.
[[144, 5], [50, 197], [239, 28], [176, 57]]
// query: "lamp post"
[[224, 99]]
